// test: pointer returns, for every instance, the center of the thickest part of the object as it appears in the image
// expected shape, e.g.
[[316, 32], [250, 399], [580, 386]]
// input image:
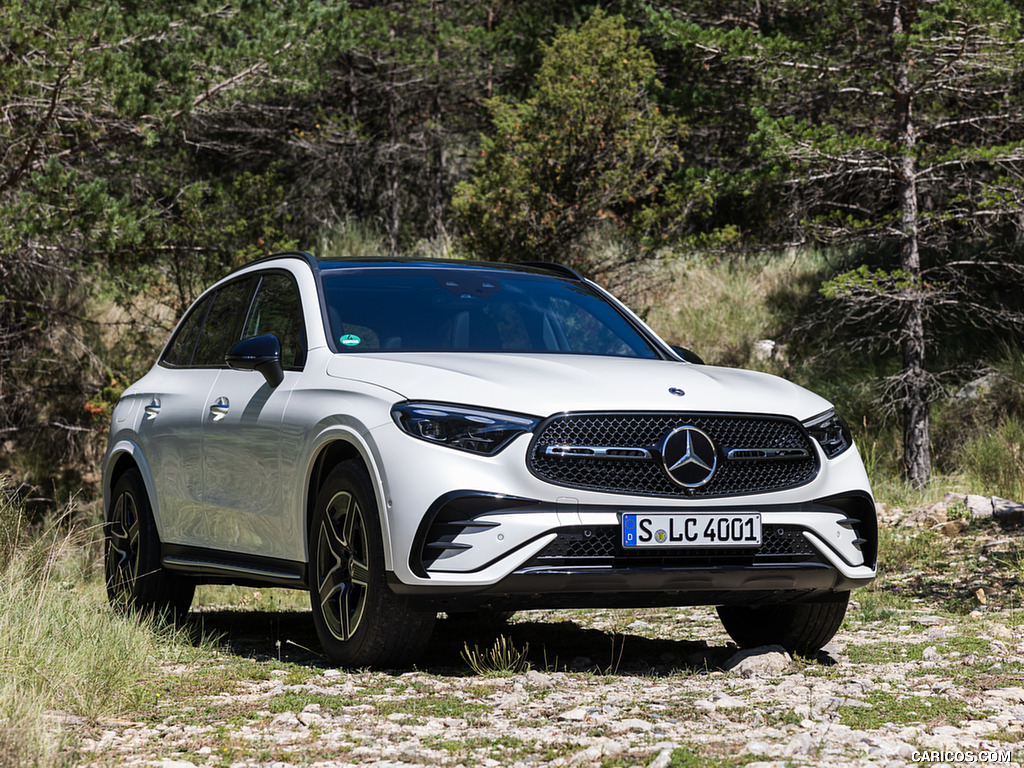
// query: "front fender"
[[370, 456]]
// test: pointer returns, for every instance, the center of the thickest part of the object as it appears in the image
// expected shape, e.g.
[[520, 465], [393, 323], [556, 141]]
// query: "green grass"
[[415, 707], [721, 310], [62, 651], [249, 598], [900, 709], [504, 748], [905, 549], [685, 757], [503, 659], [878, 602], [994, 460]]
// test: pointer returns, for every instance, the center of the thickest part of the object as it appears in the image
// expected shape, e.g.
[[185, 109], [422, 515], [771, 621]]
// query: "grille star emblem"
[[689, 457]]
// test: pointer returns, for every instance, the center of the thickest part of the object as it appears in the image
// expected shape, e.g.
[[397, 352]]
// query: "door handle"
[[219, 409], [152, 410]]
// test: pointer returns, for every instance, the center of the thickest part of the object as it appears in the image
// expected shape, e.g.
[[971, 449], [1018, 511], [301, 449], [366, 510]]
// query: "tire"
[[359, 620], [800, 628], [137, 582]]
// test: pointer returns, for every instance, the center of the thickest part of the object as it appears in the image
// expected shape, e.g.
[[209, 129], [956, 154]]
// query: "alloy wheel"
[[123, 550], [342, 567]]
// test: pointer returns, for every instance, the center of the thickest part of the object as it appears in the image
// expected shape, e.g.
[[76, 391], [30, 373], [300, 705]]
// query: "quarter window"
[[179, 351]]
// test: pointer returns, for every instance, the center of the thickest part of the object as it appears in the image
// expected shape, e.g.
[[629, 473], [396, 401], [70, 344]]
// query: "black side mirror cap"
[[261, 354], [688, 356]]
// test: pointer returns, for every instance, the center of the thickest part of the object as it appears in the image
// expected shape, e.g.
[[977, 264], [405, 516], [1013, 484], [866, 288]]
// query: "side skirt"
[[211, 566]]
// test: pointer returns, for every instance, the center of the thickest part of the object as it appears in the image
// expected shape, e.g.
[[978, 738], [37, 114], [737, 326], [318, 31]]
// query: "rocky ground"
[[927, 670], [880, 694]]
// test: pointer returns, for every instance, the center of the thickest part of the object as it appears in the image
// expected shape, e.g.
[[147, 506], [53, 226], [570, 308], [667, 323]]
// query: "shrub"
[[502, 659]]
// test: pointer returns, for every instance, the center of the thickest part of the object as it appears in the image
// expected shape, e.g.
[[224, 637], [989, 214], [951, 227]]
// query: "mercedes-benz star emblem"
[[690, 457]]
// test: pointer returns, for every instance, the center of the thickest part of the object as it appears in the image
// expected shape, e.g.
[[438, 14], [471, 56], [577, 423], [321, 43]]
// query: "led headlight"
[[831, 432], [466, 429]]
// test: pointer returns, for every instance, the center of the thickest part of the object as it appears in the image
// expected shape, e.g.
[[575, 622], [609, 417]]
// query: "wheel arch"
[[124, 457], [337, 447]]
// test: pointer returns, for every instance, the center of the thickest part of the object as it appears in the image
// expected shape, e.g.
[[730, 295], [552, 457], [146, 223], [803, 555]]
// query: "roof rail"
[[303, 255], [554, 267]]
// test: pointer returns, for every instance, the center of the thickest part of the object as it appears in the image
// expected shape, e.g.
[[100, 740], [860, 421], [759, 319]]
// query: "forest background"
[[846, 178]]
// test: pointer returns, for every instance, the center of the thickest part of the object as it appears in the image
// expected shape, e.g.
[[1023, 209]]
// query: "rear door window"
[[223, 326]]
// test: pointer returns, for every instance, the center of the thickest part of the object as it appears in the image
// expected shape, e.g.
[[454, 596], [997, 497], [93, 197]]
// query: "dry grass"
[[63, 653]]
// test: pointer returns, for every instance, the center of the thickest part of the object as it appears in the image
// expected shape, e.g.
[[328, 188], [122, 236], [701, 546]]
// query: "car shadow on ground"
[[289, 636]]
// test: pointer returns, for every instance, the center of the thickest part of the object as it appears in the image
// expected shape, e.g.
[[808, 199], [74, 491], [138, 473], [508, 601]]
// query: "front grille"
[[768, 453], [600, 545]]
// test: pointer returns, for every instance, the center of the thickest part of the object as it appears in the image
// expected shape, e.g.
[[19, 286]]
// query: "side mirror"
[[688, 356], [260, 353]]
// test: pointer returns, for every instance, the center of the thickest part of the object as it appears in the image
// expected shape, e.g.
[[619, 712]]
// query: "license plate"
[[735, 529]]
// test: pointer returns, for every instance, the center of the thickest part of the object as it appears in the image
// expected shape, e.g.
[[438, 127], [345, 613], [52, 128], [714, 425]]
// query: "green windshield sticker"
[[350, 340]]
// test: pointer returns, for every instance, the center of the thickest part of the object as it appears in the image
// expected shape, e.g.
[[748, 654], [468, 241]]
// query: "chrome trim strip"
[[597, 452], [754, 454]]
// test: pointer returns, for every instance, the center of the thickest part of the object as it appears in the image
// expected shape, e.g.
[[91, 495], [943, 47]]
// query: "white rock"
[[538, 679], [801, 744], [285, 721], [589, 714], [664, 758], [630, 724], [604, 749], [725, 701], [1010, 694], [766, 661], [757, 747]]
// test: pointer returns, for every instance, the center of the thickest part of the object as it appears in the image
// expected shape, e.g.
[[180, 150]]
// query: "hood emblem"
[[676, 391], [689, 456]]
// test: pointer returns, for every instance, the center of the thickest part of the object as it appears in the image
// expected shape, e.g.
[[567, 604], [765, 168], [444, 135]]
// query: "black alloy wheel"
[[136, 580], [342, 567], [359, 620]]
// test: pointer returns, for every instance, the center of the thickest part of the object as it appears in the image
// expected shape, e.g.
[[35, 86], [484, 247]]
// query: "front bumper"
[[505, 516], [571, 555]]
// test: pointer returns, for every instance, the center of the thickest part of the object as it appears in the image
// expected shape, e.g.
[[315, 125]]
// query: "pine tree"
[[894, 129]]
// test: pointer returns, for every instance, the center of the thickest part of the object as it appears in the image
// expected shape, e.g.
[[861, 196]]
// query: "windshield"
[[421, 310]]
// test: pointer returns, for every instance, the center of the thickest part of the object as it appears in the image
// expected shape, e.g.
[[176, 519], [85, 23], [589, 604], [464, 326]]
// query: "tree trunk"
[[916, 446]]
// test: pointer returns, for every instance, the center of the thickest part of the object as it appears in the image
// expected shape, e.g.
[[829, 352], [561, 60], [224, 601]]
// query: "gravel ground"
[[603, 689]]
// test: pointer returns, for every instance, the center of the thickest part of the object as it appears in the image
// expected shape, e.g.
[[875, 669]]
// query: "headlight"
[[467, 429], [831, 432]]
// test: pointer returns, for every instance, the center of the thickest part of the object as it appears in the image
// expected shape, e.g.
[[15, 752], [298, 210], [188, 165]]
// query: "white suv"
[[407, 437]]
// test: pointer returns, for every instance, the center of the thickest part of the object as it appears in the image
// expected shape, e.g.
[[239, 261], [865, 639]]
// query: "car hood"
[[541, 385]]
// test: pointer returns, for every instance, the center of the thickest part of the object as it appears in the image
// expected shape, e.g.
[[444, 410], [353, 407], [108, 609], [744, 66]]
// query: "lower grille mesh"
[[600, 545]]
